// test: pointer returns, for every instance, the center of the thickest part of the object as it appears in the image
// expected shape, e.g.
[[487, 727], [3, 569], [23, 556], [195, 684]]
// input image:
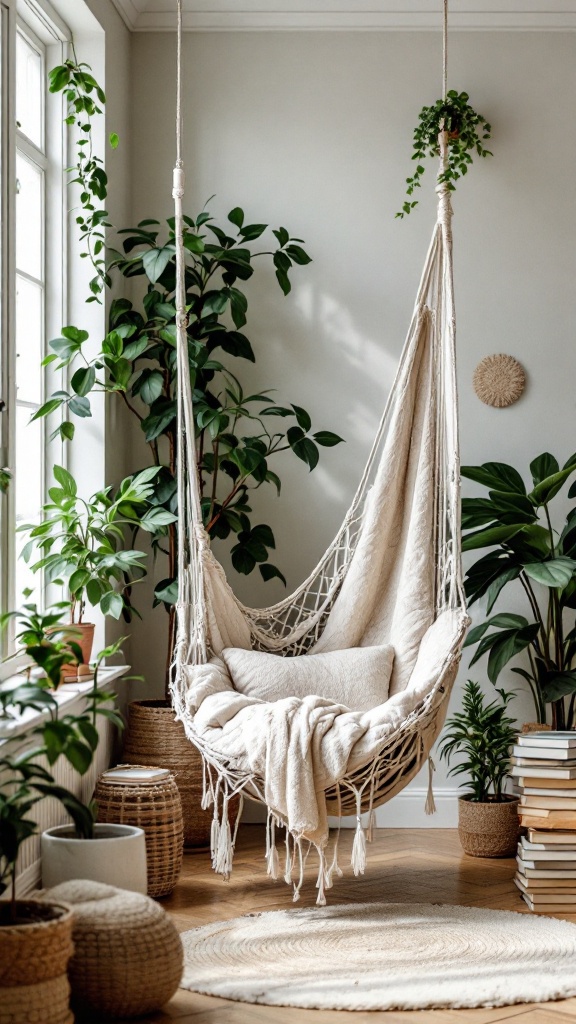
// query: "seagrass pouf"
[[147, 797], [127, 953]]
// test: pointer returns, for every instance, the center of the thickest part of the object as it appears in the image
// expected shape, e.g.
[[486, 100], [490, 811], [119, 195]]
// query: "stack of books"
[[544, 767]]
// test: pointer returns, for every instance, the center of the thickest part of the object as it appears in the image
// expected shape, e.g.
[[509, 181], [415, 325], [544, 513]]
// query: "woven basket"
[[34, 986], [488, 829], [155, 807], [154, 737], [127, 953]]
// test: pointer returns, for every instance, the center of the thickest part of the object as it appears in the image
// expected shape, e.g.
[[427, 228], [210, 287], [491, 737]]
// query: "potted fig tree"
[[481, 737]]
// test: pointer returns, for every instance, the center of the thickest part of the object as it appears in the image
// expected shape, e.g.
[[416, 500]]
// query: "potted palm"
[[84, 544], [36, 936], [481, 736]]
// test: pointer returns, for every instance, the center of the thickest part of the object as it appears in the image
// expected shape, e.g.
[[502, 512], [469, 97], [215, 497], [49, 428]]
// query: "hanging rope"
[[445, 52]]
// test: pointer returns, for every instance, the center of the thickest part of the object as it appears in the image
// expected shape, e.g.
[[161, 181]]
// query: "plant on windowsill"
[[467, 131], [84, 543], [35, 936], [516, 523], [481, 736]]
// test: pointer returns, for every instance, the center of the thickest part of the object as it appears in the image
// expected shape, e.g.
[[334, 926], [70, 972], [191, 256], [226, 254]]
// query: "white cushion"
[[358, 677]]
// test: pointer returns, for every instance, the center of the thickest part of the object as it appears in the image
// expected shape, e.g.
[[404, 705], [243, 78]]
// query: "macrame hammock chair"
[[391, 576]]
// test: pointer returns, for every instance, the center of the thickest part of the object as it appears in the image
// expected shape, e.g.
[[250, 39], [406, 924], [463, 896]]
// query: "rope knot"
[[182, 319]]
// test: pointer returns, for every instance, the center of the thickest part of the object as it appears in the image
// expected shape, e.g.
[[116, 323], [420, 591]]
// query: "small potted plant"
[[466, 133], [83, 543], [114, 854], [482, 735], [35, 936]]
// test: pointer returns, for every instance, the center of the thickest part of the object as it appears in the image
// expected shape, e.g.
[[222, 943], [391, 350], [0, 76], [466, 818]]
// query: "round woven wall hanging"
[[499, 380]]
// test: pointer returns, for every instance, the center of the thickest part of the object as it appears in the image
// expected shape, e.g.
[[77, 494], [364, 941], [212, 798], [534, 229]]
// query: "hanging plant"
[[467, 131]]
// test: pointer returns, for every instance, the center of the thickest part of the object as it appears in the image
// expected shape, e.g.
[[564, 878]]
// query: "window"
[[32, 266], [30, 321]]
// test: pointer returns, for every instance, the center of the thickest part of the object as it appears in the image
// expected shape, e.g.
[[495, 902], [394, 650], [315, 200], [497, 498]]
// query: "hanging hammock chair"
[[389, 586]]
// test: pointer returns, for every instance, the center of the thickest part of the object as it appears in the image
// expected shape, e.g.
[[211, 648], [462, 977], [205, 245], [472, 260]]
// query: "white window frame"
[[40, 23]]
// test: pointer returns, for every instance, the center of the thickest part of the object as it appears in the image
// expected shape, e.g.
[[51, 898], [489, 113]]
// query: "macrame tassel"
[[289, 861], [302, 860], [358, 861], [272, 858], [223, 865], [334, 866], [430, 805], [321, 898], [207, 788]]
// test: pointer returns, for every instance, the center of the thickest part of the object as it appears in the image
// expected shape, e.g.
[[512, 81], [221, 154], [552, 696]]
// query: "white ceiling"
[[355, 15]]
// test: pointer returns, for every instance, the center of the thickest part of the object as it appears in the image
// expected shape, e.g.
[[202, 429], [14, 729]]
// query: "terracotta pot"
[[488, 829], [82, 633], [154, 737], [34, 955]]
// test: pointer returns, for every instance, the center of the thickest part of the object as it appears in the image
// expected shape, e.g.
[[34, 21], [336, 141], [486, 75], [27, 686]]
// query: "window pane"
[[29, 228], [28, 488], [29, 341], [29, 89]]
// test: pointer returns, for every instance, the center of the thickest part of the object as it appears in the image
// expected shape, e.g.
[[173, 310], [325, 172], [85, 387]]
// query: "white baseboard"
[[405, 811]]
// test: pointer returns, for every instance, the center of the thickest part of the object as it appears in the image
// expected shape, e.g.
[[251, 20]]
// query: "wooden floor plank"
[[404, 866]]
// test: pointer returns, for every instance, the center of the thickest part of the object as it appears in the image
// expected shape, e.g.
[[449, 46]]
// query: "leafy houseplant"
[[467, 131], [482, 735], [516, 524], [84, 543]]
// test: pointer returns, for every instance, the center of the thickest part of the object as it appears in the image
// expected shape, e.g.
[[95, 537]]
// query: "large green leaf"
[[477, 512], [557, 685], [557, 572], [548, 488], [155, 262], [498, 585], [543, 466], [507, 647], [488, 538], [513, 507], [496, 475]]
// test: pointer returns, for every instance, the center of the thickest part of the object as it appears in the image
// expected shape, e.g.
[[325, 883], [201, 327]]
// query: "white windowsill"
[[68, 695]]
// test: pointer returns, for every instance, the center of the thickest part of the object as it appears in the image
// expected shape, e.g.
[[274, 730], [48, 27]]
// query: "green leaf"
[[83, 380], [513, 507], [155, 262], [548, 488], [487, 538], [307, 451], [252, 232], [497, 475], [50, 406], [167, 591], [296, 253], [327, 439], [270, 572], [508, 645], [80, 406], [149, 385], [302, 418], [112, 604], [498, 585], [114, 140], [236, 217], [67, 430], [155, 518], [556, 685], [557, 572], [543, 466], [66, 481]]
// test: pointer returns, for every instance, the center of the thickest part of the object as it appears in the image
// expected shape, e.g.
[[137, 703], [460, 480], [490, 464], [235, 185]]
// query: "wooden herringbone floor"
[[404, 865]]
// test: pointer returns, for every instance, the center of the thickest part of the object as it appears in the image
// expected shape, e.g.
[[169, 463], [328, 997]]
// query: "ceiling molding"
[[345, 15]]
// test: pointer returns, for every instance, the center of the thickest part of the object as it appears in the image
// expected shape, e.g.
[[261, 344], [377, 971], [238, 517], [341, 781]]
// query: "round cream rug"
[[389, 956]]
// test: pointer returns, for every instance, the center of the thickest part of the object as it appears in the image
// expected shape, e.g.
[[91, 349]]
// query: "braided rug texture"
[[389, 956]]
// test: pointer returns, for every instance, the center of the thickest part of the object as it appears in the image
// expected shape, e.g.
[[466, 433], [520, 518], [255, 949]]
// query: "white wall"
[[313, 131]]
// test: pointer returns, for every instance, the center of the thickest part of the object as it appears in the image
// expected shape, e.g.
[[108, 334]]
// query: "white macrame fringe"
[[430, 805], [358, 860]]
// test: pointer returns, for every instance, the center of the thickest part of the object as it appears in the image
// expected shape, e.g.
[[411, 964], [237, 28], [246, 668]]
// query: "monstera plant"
[[532, 548]]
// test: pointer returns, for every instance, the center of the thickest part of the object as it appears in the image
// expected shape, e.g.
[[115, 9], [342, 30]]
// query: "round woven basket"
[[154, 737], [34, 986], [127, 953], [488, 829], [153, 805]]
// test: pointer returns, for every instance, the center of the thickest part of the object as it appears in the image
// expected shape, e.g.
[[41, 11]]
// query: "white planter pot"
[[116, 856]]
